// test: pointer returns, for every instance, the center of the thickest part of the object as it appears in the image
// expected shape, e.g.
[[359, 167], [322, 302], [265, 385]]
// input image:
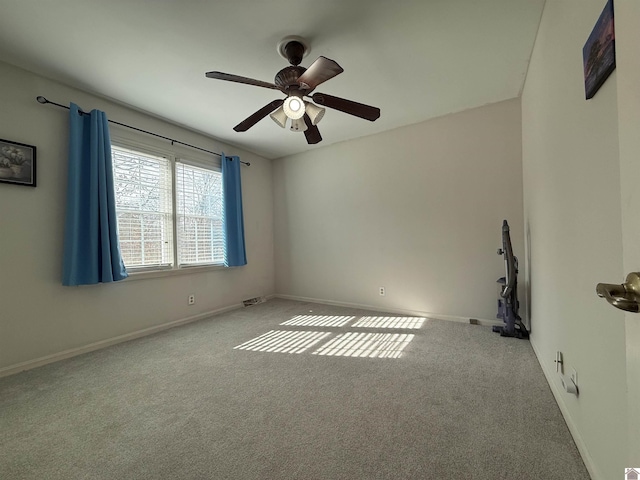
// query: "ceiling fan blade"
[[238, 79], [320, 71], [312, 134], [347, 106], [250, 121]]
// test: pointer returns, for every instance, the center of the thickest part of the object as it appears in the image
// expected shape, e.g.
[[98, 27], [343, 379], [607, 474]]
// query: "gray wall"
[[39, 317], [417, 210], [573, 225]]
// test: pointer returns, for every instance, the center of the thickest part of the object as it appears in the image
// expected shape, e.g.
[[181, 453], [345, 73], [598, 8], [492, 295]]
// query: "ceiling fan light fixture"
[[298, 125], [279, 117], [315, 112], [293, 107]]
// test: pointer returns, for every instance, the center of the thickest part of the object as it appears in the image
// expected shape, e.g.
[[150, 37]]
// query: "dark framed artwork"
[[17, 163], [599, 53]]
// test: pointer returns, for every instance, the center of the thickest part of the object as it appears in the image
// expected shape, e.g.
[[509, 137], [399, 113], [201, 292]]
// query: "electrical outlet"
[[382, 292], [192, 299]]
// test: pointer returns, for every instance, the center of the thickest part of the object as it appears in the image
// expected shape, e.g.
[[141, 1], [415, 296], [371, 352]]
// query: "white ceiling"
[[414, 59]]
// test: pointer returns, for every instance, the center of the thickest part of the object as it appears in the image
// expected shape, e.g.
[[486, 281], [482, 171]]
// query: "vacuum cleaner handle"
[[510, 261]]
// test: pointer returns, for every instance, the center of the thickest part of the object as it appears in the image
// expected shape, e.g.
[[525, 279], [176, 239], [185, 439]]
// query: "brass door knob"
[[625, 296]]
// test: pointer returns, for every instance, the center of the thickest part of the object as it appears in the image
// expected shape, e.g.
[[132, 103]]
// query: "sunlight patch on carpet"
[[318, 321], [366, 345], [283, 341], [390, 322]]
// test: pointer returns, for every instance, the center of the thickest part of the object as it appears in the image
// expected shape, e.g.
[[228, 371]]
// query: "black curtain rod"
[[44, 101]]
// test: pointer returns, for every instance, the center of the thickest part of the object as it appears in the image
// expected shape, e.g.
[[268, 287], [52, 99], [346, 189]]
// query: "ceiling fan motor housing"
[[288, 77]]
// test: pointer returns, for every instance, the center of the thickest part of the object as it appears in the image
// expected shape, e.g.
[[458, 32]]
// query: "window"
[[169, 210], [199, 194]]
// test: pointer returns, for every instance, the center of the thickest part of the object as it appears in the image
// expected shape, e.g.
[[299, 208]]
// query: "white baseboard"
[[559, 394], [39, 362], [435, 316]]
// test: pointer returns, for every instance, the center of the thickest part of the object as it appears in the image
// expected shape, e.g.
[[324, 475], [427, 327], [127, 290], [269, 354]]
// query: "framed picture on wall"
[[17, 163], [599, 53]]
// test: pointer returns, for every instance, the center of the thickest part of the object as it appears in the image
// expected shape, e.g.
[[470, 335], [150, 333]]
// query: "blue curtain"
[[91, 248], [233, 222]]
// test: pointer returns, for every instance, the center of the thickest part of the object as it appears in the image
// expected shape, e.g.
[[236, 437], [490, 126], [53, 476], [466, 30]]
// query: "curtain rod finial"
[[41, 99]]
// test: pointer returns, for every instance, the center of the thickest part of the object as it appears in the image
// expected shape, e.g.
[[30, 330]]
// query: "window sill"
[[169, 272]]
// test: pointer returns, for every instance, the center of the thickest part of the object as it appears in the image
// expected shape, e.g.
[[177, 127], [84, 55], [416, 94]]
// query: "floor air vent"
[[253, 301]]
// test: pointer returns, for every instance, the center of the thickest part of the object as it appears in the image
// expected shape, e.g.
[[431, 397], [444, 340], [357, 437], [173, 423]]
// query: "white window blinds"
[[144, 195], [199, 215]]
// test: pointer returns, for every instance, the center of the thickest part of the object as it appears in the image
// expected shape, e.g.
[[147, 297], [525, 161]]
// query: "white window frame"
[[173, 155]]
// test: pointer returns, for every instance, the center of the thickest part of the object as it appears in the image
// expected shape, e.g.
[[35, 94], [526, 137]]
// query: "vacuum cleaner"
[[508, 292]]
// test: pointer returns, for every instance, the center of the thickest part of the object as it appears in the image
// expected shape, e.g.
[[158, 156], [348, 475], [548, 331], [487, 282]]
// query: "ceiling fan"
[[297, 83]]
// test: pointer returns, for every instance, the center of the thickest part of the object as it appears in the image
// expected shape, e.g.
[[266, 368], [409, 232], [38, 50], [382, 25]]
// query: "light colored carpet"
[[459, 402]]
